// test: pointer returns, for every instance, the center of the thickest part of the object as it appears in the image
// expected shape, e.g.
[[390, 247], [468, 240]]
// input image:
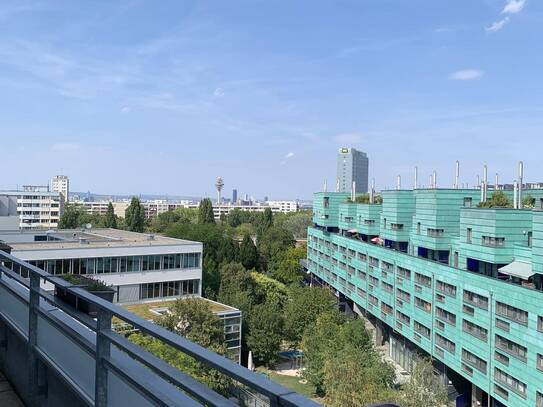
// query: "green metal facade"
[[453, 314]]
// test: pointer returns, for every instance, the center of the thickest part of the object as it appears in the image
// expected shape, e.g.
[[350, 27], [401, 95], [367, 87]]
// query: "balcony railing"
[[99, 366]]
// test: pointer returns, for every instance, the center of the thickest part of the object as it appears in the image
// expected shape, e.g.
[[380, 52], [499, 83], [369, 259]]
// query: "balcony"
[[59, 356]]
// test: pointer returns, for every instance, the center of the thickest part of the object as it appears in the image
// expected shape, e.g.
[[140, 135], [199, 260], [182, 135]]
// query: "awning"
[[520, 269]]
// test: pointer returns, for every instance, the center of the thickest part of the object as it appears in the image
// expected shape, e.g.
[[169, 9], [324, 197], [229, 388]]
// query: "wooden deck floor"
[[8, 398]]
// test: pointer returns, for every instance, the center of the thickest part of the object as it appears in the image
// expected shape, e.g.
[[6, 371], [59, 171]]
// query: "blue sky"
[[162, 97]]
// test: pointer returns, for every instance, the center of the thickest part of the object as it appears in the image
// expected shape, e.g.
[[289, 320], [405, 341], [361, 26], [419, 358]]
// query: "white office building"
[[140, 267], [284, 206]]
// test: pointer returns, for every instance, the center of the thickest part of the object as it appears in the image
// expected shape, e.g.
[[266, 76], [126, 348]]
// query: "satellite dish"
[[88, 226]]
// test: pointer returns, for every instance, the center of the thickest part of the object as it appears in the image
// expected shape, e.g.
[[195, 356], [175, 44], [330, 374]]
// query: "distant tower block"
[[219, 184]]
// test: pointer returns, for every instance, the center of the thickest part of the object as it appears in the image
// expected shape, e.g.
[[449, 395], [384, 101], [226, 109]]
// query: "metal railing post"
[[103, 351], [33, 304]]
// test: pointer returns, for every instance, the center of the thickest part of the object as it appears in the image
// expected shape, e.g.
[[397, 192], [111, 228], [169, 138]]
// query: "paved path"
[[8, 398]]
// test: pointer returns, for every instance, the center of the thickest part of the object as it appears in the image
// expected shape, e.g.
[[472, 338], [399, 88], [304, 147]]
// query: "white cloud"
[[289, 155], [514, 6], [511, 7], [64, 147], [218, 93], [125, 109], [466, 75], [349, 138], [497, 25]]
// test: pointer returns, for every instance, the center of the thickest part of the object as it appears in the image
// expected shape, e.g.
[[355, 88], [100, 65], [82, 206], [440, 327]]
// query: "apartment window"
[[529, 239], [467, 202], [445, 288], [387, 287], [421, 329], [446, 316], [539, 395], [374, 262], [418, 228], [387, 309], [362, 257], [369, 222], [540, 323], [510, 382], [423, 305], [512, 313], [455, 260], [403, 318], [445, 343], [501, 392], [374, 281], [539, 362], [491, 241], [504, 326], [504, 360], [468, 235], [474, 330], [361, 292], [374, 300], [326, 202], [474, 361], [396, 226], [477, 300], [423, 280], [435, 232], [387, 266], [403, 295], [384, 223], [405, 273], [511, 348]]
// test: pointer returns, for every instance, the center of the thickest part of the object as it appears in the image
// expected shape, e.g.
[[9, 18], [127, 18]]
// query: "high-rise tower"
[[352, 165], [219, 184]]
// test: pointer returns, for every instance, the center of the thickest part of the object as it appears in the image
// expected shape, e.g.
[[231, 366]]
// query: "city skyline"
[[244, 91]]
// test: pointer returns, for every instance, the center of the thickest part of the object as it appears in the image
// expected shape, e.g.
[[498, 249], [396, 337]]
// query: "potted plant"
[[91, 285]]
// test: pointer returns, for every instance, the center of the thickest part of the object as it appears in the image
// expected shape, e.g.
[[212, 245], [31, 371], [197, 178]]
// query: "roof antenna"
[[457, 174]]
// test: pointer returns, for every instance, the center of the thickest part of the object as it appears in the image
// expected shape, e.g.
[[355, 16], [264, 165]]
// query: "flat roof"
[[21, 240], [145, 310]]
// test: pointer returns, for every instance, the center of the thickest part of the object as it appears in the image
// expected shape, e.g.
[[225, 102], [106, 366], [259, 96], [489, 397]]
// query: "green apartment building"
[[445, 278]]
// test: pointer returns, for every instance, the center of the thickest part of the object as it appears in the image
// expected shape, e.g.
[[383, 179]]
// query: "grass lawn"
[[290, 382]]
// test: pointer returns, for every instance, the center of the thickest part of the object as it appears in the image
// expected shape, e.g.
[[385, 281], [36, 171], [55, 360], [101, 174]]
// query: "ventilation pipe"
[[515, 195], [457, 174], [399, 182], [353, 191], [520, 181], [325, 186], [434, 179], [484, 185], [416, 177]]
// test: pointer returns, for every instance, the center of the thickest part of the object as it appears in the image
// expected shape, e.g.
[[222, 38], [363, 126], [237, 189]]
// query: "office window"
[[445, 343], [424, 305], [423, 280], [510, 382], [477, 300], [474, 361], [421, 329], [446, 288], [446, 316], [511, 348], [474, 330], [512, 313], [468, 235]]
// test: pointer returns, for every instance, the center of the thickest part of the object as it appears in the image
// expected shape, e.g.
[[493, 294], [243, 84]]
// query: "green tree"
[[424, 389], [269, 290], [295, 222], [497, 200], [287, 267], [528, 202], [304, 306], [265, 332], [273, 243], [70, 217], [111, 219], [263, 221], [248, 253], [355, 378], [135, 216], [235, 218], [237, 287], [193, 319], [205, 211]]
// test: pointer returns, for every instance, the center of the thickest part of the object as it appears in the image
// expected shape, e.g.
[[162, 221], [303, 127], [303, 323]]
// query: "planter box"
[[81, 304]]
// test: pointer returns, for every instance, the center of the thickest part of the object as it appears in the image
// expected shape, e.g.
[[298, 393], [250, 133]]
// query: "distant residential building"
[[284, 206], [61, 184], [234, 195], [352, 165], [34, 207]]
